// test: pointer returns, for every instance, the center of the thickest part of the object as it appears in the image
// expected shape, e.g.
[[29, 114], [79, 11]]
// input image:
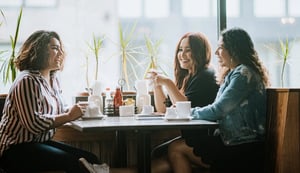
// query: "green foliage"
[[153, 53], [284, 46], [127, 53], [95, 48], [284, 55], [8, 66]]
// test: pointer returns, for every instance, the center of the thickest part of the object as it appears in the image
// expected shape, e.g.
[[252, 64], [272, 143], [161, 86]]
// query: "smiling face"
[[224, 58], [55, 55], [184, 55]]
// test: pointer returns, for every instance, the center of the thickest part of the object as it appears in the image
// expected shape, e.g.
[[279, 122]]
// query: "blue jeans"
[[45, 156]]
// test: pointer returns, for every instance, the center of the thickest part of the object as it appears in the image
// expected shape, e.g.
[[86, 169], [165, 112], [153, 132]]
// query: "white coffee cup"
[[147, 110], [93, 110], [171, 112], [126, 110], [183, 109], [83, 105]]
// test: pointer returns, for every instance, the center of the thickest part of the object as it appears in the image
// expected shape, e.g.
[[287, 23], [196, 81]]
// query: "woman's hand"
[[76, 112], [157, 78]]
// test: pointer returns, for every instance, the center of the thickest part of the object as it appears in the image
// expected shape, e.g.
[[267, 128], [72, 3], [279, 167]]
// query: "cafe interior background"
[[78, 22]]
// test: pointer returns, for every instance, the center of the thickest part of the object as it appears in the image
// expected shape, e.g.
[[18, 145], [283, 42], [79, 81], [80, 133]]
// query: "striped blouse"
[[29, 110]]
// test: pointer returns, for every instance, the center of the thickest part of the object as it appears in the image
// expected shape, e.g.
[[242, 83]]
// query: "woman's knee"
[[177, 146]]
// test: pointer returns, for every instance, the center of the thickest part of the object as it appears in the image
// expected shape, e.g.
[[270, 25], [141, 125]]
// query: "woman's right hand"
[[75, 112], [157, 78]]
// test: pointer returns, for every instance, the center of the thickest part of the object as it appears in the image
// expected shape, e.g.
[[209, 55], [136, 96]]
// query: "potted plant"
[[127, 54], [94, 47], [284, 56], [153, 55], [7, 68]]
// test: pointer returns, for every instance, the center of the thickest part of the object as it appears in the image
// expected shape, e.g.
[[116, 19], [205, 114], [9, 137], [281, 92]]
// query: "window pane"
[[267, 43], [294, 8], [269, 8], [130, 8], [195, 8], [152, 9], [39, 3], [6, 3], [233, 8]]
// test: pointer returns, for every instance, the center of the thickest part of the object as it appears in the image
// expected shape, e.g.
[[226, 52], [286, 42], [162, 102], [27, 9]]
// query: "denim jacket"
[[240, 107]]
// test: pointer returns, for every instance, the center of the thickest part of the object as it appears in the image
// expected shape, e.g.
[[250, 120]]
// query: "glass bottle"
[[108, 103], [118, 101]]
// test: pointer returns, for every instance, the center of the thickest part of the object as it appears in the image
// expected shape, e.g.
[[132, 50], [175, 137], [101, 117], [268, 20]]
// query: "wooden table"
[[143, 128]]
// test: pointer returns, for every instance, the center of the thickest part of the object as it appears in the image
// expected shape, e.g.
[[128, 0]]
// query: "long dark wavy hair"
[[201, 57], [34, 53], [241, 49]]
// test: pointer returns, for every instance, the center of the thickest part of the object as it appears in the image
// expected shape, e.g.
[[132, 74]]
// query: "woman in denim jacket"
[[239, 108]]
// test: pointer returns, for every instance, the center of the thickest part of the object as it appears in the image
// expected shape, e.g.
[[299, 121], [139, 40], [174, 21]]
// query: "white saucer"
[[148, 116], [178, 118], [93, 117]]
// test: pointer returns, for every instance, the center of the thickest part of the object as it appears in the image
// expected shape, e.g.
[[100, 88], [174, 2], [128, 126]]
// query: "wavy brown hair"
[[240, 47], [34, 53], [201, 56]]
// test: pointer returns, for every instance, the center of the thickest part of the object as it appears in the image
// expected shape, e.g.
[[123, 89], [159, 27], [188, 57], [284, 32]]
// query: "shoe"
[[86, 166]]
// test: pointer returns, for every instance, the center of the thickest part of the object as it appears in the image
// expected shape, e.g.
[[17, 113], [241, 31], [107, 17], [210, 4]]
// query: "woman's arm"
[[159, 95], [74, 113], [159, 99], [232, 94]]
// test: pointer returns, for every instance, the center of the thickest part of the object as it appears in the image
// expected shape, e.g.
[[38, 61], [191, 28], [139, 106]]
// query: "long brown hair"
[[34, 53], [201, 56], [241, 49]]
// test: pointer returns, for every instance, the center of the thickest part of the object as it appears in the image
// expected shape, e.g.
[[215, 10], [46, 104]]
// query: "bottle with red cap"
[[118, 101]]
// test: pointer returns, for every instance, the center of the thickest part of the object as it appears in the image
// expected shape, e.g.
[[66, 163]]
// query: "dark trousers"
[[47, 156]]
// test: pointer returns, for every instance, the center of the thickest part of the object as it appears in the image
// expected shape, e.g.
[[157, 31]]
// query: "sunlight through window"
[[130, 8], [269, 8], [153, 10]]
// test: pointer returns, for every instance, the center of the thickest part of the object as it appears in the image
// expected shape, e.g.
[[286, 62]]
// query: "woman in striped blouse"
[[34, 108]]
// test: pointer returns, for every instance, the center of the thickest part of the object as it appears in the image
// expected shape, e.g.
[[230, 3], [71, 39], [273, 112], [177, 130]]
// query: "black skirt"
[[247, 157]]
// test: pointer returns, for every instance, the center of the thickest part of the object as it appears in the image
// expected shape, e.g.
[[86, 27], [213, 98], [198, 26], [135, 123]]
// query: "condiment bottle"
[[118, 101], [108, 103]]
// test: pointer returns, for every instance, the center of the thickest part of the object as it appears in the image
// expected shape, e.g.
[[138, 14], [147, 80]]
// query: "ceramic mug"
[[171, 112], [183, 109], [147, 110]]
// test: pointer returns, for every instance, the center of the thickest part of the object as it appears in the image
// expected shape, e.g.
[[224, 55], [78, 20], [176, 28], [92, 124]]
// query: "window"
[[11, 3], [157, 8], [294, 8], [28, 3], [39, 3], [196, 8], [129, 8], [269, 8], [232, 8]]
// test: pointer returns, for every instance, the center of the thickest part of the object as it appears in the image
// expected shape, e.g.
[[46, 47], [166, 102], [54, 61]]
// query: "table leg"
[[121, 149], [144, 152]]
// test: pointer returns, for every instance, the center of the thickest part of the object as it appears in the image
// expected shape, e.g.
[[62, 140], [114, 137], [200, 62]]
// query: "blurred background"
[[78, 22]]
